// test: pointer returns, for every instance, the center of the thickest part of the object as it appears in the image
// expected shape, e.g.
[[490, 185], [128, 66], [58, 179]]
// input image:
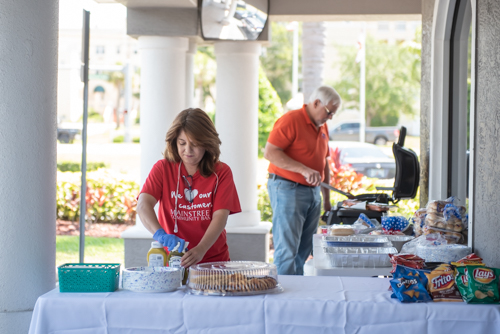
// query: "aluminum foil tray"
[[359, 257], [402, 238], [399, 240], [356, 241]]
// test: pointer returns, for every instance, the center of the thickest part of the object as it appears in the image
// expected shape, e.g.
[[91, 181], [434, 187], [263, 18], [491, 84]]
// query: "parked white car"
[[367, 159]]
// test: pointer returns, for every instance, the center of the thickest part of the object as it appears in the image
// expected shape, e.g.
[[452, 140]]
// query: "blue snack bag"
[[410, 289], [367, 220], [401, 271], [394, 223]]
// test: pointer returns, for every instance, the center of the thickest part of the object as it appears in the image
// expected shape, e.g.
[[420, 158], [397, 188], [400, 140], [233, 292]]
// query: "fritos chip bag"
[[409, 289], [483, 285], [407, 260], [442, 286]]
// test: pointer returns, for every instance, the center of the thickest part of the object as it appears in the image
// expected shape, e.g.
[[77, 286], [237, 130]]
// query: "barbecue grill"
[[405, 187]]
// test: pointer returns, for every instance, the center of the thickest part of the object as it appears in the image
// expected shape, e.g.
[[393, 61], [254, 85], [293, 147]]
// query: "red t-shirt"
[[210, 194], [297, 136]]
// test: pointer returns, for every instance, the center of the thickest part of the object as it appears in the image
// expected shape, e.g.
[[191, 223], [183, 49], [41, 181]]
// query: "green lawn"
[[97, 250]]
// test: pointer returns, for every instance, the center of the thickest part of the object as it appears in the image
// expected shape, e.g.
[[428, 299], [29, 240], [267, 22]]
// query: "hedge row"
[[111, 196]]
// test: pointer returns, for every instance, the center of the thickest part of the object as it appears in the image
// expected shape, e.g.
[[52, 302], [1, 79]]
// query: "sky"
[[103, 16]]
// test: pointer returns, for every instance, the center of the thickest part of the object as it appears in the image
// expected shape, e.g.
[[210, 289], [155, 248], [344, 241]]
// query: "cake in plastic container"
[[233, 278]]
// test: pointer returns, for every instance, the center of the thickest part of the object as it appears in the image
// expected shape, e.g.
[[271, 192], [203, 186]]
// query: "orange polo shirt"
[[296, 135]]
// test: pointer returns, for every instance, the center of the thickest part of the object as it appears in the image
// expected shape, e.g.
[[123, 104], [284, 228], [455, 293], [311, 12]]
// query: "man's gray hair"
[[325, 94]]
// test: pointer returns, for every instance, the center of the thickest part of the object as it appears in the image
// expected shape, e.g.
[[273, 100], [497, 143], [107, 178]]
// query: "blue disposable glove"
[[168, 240]]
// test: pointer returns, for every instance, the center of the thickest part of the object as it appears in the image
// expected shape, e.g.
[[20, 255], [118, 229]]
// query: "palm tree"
[[313, 44]]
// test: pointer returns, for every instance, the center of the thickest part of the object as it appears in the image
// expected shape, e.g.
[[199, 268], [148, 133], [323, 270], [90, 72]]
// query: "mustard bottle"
[[174, 260], [157, 257]]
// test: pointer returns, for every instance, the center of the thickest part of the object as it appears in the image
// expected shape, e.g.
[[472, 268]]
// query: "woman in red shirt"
[[195, 191]]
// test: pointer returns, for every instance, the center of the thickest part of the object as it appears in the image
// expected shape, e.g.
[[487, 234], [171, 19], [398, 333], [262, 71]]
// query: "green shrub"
[[269, 110], [93, 116], [111, 196], [264, 204], [119, 139], [70, 166]]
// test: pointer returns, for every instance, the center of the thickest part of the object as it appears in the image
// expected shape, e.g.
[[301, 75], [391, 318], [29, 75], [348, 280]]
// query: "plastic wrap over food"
[[411, 246], [418, 221], [446, 215], [442, 253], [233, 278]]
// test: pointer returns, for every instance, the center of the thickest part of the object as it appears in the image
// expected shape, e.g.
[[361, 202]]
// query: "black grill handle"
[[402, 136]]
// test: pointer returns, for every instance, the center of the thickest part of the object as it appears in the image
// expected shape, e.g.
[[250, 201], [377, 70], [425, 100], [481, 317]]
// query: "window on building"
[[99, 49], [383, 26], [401, 26]]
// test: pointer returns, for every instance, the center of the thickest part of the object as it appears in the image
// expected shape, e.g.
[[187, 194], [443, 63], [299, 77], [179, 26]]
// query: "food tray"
[[88, 277], [233, 278], [399, 240], [359, 257], [356, 241]]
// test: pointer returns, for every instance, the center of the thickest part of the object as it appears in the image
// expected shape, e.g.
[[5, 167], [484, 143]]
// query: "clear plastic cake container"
[[356, 241], [359, 257], [233, 278]]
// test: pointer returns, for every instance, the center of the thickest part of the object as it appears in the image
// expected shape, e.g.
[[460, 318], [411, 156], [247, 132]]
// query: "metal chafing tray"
[[359, 257], [356, 241], [399, 240]]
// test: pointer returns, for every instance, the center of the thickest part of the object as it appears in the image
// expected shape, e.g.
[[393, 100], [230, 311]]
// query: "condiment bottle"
[[174, 260], [157, 257]]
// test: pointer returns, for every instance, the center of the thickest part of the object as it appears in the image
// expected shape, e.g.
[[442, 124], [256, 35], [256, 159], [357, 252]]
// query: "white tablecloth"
[[313, 304]]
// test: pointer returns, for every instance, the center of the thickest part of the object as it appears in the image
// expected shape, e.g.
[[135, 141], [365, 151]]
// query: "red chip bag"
[[408, 260]]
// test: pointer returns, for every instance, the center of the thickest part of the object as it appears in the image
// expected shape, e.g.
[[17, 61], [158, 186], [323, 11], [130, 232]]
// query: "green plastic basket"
[[88, 277]]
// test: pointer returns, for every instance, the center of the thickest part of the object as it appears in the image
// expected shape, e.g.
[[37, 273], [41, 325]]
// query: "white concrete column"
[[163, 84], [28, 85], [190, 73], [236, 120]]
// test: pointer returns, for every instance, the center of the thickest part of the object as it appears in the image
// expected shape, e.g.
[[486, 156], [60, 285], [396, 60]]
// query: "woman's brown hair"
[[201, 131]]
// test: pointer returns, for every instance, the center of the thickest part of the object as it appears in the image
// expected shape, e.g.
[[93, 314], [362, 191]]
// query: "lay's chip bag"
[[462, 281], [461, 274], [483, 285]]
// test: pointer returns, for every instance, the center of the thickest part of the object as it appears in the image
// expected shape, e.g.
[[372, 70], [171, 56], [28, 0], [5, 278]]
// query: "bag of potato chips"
[[409, 289], [442, 286], [462, 281], [479, 286], [401, 271], [483, 285]]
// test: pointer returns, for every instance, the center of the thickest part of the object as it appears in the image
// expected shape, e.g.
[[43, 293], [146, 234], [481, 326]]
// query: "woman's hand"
[[192, 257], [214, 230]]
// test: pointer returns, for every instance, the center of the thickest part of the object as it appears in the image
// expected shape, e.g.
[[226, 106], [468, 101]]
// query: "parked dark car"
[[367, 159], [67, 136]]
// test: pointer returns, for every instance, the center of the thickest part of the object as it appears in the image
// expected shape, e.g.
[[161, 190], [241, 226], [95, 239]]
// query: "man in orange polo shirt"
[[297, 149]]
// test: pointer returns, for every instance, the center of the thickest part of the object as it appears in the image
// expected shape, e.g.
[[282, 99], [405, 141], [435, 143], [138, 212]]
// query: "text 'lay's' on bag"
[[478, 284]]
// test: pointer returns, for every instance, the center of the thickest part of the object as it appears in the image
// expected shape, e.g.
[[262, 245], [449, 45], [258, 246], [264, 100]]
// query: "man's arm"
[[326, 192], [279, 158]]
